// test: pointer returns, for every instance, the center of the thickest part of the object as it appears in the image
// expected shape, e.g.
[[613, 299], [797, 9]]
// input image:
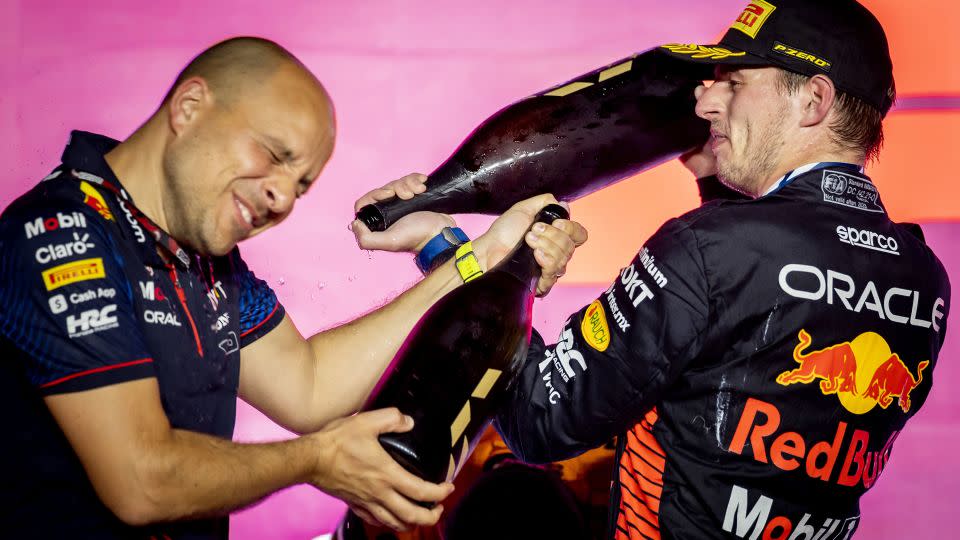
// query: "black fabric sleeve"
[[614, 358]]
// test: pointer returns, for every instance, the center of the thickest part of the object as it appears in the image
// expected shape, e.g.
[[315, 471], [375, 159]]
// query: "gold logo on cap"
[[754, 15], [701, 52], [797, 53]]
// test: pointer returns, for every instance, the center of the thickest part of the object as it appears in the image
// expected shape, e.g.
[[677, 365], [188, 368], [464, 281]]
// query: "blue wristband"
[[449, 238]]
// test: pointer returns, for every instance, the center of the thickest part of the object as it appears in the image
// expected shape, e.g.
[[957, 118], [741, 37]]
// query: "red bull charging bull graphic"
[[93, 199], [863, 373]]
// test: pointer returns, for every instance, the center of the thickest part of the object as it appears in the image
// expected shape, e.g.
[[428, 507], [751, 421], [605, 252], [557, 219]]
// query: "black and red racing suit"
[[757, 360]]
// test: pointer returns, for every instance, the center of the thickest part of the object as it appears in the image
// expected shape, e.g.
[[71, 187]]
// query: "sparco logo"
[[54, 252], [61, 221], [92, 321], [868, 239]]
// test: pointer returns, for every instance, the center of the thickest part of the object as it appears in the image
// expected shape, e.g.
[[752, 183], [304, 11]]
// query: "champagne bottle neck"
[[521, 264]]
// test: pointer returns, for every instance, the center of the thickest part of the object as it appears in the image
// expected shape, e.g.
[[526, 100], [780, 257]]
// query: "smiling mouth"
[[245, 214]]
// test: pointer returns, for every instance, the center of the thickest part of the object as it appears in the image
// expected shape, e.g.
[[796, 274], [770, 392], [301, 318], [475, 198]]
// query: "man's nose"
[[280, 194], [707, 104]]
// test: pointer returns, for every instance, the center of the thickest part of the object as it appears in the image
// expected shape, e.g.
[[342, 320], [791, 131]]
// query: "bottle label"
[[594, 327]]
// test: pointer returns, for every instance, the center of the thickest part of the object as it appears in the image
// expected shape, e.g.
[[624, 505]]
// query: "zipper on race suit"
[[182, 295]]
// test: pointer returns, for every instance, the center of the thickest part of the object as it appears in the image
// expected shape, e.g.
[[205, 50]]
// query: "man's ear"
[[186, 104], [818, 95]]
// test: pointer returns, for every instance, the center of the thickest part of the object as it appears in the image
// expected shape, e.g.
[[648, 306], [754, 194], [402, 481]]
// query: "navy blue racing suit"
[[757, 359]]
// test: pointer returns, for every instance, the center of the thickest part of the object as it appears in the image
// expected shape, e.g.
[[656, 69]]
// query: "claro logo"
[[867, 239]]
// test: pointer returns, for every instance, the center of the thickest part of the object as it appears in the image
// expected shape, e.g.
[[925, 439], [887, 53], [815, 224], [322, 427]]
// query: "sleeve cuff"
[[263, 327], [99, 376]]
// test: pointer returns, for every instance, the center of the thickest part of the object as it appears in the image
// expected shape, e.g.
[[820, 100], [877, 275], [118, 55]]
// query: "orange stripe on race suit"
[[645, 436], [637, 502], [642, 467], [641, 480], [648, 479], [646, 446], [641, 488], [630, 531]]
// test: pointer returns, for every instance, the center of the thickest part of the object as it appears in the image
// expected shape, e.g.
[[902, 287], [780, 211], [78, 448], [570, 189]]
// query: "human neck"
[[799, 159], [138, 164]]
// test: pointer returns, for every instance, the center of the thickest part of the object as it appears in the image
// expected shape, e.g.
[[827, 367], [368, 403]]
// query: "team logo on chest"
[[150, 291], [216, 294]]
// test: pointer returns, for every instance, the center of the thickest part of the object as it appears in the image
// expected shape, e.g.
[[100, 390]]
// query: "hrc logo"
[[754, 15]]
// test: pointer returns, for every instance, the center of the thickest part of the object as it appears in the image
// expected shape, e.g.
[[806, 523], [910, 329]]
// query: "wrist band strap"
[[467, 263], [442, 244]]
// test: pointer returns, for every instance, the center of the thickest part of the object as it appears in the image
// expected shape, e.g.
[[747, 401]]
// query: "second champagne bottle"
[[458, 363]]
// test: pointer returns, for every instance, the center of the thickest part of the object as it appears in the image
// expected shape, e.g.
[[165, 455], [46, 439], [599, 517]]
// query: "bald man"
[[129, 323]]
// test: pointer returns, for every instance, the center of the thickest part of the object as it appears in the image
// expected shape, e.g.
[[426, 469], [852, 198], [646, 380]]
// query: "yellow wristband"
[[467, 263]]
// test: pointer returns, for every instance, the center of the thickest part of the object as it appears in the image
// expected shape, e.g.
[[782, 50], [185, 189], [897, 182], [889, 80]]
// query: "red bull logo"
[[845, 370], [93, 199], [845, 459]]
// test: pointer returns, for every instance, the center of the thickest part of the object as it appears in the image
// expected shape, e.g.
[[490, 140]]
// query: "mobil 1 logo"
[[848, 190]]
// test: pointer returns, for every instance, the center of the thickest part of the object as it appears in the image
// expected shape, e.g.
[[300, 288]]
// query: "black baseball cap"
[[837, 38]]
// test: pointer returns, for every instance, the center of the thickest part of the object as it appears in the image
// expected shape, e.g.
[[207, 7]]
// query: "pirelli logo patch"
[[73, 272], [787, 50], [753, 17]]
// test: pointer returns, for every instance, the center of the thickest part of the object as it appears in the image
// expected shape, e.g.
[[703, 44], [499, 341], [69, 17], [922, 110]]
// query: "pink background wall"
[[409, 80]]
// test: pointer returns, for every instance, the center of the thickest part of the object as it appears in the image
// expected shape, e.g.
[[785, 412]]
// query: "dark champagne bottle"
[[456, 366], [570, 141]]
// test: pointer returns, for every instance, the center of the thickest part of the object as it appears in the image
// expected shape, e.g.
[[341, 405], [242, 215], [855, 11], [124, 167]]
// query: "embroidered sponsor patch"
[[594, 327], [94, 200], [753, 17], [848, 190], [792, 52], [73, 272]]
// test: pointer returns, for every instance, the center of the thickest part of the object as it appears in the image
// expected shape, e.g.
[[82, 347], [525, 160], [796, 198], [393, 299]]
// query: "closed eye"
[[302, 186], [276, 160]]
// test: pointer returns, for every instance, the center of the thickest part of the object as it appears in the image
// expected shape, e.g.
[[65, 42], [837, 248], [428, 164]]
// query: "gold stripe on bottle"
[[460, 423], [486, 383], [464, 454], [451, 469], [619, 69], [568, 89]]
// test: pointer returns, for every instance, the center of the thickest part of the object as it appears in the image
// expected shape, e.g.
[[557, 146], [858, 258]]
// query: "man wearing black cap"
[[759, 357]]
